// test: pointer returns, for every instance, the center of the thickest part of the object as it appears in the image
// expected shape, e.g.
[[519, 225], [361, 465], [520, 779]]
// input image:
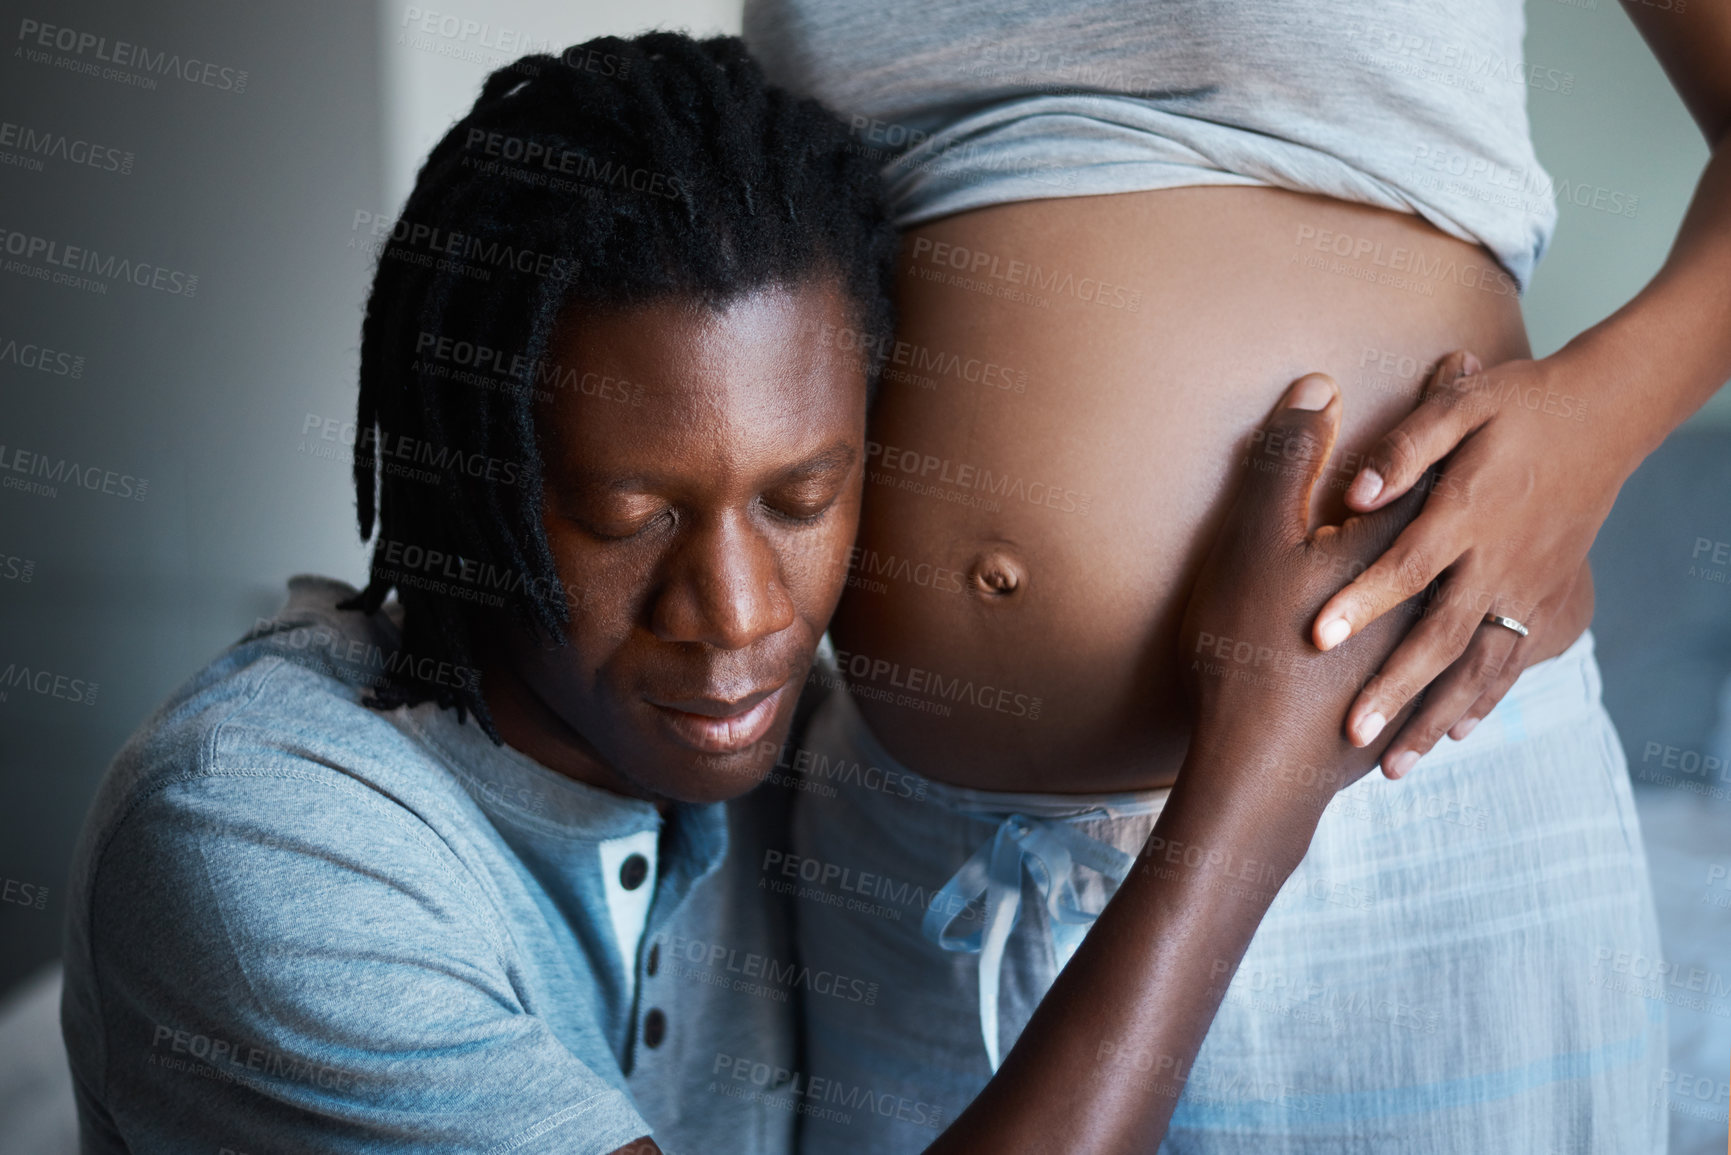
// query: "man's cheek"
[[602, 599], [818, 565]]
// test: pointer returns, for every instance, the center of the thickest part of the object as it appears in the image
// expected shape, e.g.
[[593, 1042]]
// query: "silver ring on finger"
[[1506, 623]]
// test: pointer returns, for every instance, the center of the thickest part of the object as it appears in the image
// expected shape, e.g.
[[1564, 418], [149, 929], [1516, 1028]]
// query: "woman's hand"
[[1507, 523], [1531, 475], [1261, 690]]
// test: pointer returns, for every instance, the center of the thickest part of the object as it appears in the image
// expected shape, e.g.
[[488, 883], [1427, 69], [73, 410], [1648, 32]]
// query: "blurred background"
[[199, 411]]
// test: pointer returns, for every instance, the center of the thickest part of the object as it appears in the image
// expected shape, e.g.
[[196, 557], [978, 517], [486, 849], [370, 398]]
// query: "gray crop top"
[[1413, 105]]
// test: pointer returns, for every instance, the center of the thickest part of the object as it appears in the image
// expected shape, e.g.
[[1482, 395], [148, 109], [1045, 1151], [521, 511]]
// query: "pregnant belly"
[[1071, 392]]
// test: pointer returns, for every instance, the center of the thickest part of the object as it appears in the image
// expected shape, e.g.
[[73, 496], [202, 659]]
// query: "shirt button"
[[654, 1027], [633, 871], [654, 963]]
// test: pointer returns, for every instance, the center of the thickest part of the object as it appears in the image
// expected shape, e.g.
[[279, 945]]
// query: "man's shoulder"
[[289, 693], [287, 704], [290, 894]]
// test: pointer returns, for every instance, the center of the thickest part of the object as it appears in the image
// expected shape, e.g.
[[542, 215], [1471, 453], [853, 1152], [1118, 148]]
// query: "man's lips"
[[717, 727]]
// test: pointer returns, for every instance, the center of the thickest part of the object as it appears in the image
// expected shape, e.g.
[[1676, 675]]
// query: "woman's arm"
[[1670, 347], [1526, 489]]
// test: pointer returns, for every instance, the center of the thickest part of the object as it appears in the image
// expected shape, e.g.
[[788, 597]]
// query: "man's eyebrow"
[[598, 483], [833, 457]]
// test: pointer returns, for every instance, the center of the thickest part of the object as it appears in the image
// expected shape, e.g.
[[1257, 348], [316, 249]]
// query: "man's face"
[[701, 493]]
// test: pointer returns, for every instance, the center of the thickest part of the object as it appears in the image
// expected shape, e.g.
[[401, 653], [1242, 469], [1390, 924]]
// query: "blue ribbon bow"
[[1050, 849]]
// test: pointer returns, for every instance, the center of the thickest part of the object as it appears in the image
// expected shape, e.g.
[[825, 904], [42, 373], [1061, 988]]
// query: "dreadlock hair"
[[617, 173]]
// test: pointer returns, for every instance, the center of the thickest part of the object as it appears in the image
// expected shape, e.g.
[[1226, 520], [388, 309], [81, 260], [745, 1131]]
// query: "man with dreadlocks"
[[405, 876], [482, 867]]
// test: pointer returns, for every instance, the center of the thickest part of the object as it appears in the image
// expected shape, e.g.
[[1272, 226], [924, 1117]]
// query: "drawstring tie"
[[1050, 849]]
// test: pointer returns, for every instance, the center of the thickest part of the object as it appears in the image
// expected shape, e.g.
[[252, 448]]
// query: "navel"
[[997, 572]]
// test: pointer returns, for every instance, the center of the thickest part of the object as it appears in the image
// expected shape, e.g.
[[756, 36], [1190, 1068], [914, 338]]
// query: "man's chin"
[[669, 769], [684, 776]]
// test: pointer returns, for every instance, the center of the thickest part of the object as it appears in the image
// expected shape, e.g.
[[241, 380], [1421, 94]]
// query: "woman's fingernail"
[[1333, 632], [1370, 726], [1463, 728], [1365, 486], [1400, 763], [1470, 365], [1312, 392]]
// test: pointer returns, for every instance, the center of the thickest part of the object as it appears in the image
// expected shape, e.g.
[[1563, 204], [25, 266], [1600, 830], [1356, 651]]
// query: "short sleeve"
[[296, 963]]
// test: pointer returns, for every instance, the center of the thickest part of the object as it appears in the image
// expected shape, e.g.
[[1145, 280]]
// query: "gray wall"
[[1620, 134], [203, 397]]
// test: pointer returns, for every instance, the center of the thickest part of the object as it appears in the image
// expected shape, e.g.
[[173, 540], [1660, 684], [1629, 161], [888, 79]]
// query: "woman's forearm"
[[1101, 1064], [1659, 358]]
